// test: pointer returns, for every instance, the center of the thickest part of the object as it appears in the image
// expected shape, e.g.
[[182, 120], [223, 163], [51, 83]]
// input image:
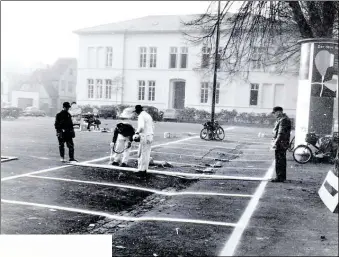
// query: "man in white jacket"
[[145, 132]]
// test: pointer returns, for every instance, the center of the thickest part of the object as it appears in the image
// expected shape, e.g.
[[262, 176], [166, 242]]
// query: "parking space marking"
[[90, 161], [171, 173], [37, 157], [198, 157], [194, 149], [231, 244], [118, 217], [244, 160], [140, 188]]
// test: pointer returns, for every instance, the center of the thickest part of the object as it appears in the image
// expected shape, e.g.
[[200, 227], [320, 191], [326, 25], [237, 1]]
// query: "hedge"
[[192, 115]]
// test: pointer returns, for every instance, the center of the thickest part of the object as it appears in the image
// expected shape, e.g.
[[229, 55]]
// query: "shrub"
[[202, 115], [186, 115]]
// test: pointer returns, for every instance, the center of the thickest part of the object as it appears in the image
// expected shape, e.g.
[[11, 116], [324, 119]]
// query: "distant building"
[[48, 88], [147, 61]]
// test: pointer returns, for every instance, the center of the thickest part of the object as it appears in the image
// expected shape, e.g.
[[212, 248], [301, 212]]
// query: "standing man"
[[145, 133], [65, 132], [280, 142], [122, 138]]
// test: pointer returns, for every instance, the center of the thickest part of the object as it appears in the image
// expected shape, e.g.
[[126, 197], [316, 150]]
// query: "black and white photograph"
[[169, 128]]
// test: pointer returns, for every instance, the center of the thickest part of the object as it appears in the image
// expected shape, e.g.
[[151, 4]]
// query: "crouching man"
[[145, 134], [122, 139]]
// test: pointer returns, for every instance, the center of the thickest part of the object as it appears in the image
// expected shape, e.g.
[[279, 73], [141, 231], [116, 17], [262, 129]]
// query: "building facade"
[[47, 88], [148, 61]]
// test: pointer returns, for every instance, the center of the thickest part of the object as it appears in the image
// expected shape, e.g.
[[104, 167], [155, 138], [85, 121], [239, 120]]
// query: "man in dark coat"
[[65, 132], [280, 142], [122, 137]]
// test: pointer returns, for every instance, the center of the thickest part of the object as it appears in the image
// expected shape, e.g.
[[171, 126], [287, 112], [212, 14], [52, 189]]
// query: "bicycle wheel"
[[220, 134], [291, 146], [302, 154], [204, 134]]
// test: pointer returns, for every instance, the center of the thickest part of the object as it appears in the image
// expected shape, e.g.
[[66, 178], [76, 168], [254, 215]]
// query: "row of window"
[[146, 90], [148, 57], [100, 57], [99, 90], [204, 92], [142, 90]]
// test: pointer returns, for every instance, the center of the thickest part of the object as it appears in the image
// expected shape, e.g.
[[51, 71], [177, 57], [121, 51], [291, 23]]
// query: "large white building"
[[148, 61]]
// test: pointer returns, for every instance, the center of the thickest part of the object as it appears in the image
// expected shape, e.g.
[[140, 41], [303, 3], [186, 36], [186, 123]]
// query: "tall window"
[[100, 57], [173, 57], [204, 92], [143, 56], [141, 90], [153, 57], [256, 62], [108, 88], [151, 90], [70, 87], [90, 90], [254, 94], [91, 57], [183, 57], [99, 88], [109, 56], [205, 57], [217, 93]]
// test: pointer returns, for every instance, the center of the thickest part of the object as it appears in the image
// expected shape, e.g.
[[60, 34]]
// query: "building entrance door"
[[179, 95]]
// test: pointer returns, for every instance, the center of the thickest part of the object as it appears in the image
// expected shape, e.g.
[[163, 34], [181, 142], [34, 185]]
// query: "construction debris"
[[206, 170]]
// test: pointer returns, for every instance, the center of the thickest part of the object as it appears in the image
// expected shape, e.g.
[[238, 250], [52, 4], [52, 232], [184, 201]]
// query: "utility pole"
[[215, 65]]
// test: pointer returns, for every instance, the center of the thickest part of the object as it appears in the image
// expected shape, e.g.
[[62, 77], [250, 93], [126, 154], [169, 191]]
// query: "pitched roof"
[[154, 23], [61, 65]]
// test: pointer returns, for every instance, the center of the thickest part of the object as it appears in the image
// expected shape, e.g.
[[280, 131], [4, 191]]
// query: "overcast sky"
[[41, 31]]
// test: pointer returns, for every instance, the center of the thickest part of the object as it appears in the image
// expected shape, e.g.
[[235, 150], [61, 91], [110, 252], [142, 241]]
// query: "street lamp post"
[[215, 65]]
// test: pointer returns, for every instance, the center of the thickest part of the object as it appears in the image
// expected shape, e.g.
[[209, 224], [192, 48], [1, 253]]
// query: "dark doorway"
[[179, 95]]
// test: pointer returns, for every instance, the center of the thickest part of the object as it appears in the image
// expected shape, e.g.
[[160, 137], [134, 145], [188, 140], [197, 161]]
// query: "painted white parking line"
[[231, 244], [188, 155], [216, 146], [204, 166], [201, 150], [95, 160], [118, 217], [8, 158], [170, 173], [249, 160], [37, 157], [139, 188]]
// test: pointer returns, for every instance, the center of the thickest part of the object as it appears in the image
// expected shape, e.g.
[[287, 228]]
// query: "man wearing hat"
[[65, 132], [145, 133], [280, 142]]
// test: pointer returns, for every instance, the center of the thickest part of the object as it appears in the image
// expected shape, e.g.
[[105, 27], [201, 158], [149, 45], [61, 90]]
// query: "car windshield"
[[128, 110]]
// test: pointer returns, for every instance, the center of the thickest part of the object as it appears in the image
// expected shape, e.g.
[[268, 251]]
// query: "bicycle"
[[291, 145], [327, 147], [212, 131]]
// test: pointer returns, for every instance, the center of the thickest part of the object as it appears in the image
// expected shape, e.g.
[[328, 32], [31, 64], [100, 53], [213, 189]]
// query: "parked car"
[[128, 114], [33, 111], [108, 112], [170, 115], [14, 112], [154, 112]]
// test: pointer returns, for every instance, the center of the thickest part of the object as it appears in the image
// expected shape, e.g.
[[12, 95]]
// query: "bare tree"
[[263, 34]]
